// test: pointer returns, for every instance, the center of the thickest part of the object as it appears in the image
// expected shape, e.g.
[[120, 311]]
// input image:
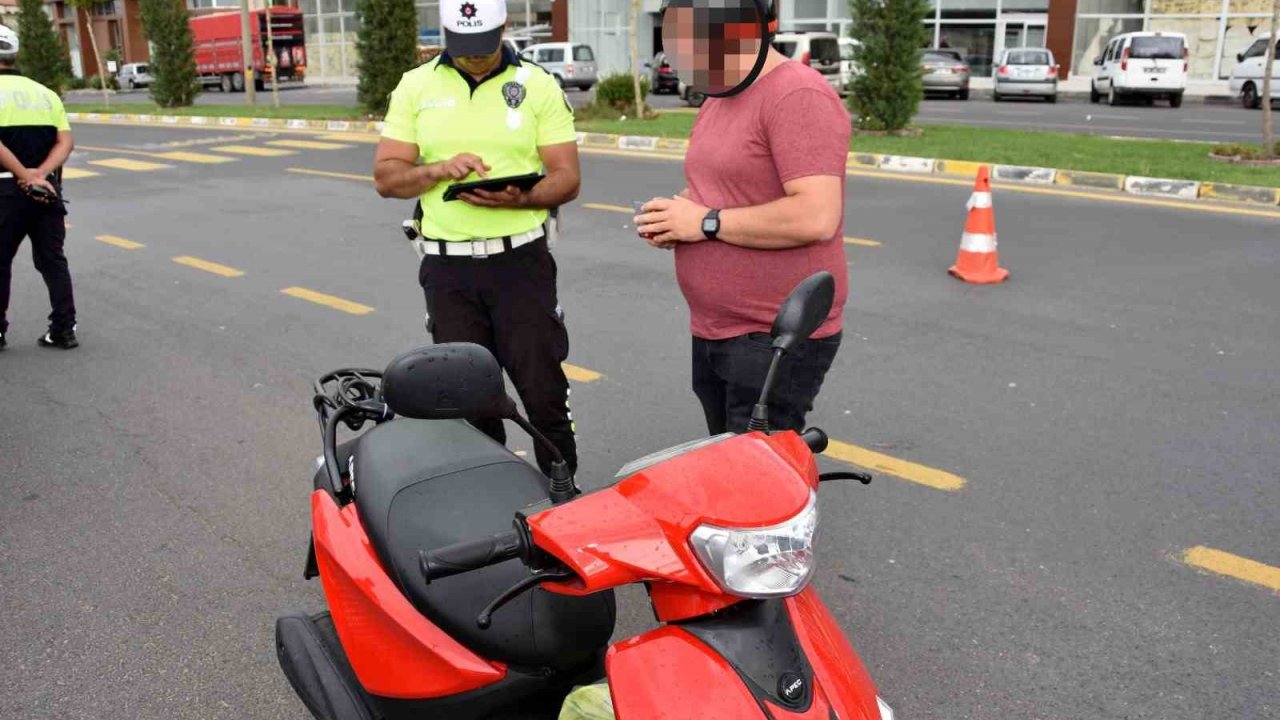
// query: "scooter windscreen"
[[718, 46]]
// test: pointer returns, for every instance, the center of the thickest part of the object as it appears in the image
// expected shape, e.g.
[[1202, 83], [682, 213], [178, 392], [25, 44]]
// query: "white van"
[[818, 50], [1142, 64], [848, 64], [1246, 78], [572, 64]]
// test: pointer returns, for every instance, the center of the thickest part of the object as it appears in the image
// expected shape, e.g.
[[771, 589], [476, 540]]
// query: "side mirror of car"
[[1239, 57], [1097, 60]]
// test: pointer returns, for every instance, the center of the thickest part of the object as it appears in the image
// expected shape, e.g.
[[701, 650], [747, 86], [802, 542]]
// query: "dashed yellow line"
[[609, 208], [1240, 568], [331, 301], [327, 173], [862, 241], [580, 374], [195, 157], [69, 173], [307, 145], [210, 267], [119, 242], [916, 473], [252, 151], [127, 164]]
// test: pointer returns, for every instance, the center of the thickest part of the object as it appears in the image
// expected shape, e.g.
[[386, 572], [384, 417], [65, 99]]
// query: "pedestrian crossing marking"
[[580, 374], [119, 242], [332, 301], [352, 137], [1230, 565], [326, 173], [127, 164], [252, 151], [207, 266], [609, 208], [862, 241], [194, 157], [69, 173], [308, 145]]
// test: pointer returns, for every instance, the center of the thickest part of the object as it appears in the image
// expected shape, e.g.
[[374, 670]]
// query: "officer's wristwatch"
[[711, 224]]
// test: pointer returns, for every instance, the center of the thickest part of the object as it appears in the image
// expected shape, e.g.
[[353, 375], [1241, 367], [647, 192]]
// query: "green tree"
[[85, 8], [173, 60], [40, 55], [892, 32], [388, 48]]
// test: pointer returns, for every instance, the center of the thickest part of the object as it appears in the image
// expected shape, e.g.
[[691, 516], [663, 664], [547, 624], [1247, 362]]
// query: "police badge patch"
[[513, 93]]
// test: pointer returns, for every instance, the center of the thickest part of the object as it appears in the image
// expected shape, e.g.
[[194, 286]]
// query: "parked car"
[[663, 78], [818, 50], [133, 75], [1142, 64], [849, 68], [1246, 78], [572, 64], [1025, 72], [945, 71], [693, 97]]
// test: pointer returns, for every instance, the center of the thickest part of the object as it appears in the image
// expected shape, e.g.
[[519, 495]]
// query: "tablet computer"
[[524, 182]]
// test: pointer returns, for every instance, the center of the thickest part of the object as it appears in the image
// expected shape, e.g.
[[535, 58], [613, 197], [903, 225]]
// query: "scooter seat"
[[423, 484]]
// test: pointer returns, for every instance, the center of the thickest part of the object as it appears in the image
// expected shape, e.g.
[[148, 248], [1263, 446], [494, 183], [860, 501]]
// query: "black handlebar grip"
[[815, 439], [470, 555]]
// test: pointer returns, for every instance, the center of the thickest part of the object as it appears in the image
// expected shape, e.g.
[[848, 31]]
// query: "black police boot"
[[64, 340]]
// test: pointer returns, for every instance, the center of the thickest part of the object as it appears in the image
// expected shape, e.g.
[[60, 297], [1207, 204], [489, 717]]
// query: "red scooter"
[[442, 606]]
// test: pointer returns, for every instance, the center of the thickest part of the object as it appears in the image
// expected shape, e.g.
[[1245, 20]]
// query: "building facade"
[[115, 24]]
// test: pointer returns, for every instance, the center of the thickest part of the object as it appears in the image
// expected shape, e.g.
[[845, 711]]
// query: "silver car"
[[1025, 72], [945, 71], [572, 64], [133, 75]]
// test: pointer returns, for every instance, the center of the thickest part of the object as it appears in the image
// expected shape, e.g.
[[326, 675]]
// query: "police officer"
[[478, 111], [35, 141]]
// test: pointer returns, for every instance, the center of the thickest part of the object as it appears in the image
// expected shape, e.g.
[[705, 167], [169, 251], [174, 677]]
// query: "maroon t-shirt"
[[789, 124]]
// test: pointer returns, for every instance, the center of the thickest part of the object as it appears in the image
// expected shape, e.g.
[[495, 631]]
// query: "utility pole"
[[1268, 68], [271, 59], [246, 47], [528, 17], [635, 56]]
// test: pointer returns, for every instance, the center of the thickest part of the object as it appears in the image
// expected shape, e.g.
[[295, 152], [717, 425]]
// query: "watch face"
[[710, 225]]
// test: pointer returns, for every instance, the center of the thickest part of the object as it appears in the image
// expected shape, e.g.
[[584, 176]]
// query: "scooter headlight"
[[761, 562]]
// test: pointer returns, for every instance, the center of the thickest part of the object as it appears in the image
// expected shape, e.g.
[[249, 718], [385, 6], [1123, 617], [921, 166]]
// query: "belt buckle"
[[480, 249]]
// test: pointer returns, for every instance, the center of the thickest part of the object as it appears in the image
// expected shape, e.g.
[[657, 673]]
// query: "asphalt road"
[[1112, 405]]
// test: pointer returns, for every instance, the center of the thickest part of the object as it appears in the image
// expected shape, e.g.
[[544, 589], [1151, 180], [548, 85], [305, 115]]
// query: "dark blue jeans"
[[728, 375]]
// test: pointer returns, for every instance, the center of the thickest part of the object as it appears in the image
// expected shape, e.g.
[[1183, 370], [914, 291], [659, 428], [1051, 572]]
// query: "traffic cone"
[[978, 261]]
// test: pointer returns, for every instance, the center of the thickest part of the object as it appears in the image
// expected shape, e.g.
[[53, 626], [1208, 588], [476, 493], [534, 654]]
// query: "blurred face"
[[713, 44], [479, 65]]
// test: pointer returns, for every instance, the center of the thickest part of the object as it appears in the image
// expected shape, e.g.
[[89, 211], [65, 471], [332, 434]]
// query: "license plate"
[[1155, 69], [942, 71]]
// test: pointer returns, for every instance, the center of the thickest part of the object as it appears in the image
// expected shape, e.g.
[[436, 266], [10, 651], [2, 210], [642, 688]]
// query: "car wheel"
[[225, 83], [964, 94], [1095, 97], [995, 96], [237, 82], [1052, 98], [1175, 100], [694, 98], [560, 82], [1113, 97], [132, 85], [1249, 97]]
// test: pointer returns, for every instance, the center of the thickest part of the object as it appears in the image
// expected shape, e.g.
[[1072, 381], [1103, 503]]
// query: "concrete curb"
[[1133, 185]]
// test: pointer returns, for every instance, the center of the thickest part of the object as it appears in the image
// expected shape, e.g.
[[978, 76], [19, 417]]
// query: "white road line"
[[1215, 122]]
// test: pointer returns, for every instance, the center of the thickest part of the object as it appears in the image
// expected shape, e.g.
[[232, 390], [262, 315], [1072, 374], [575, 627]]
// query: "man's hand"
[[462, 165], [511, 197], [669, 221], [34, 177]]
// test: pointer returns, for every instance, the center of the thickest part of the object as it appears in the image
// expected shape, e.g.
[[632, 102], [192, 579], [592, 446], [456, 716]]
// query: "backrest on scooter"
[[422, 484]]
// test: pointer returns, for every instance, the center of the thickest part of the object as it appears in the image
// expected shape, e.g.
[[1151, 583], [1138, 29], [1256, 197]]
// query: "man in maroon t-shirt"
[[763, 210]]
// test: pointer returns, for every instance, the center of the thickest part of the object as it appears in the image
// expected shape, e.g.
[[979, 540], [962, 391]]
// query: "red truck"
[[220, 54]]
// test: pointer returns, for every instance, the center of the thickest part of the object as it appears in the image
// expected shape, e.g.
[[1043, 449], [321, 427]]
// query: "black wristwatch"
[[711, 224]]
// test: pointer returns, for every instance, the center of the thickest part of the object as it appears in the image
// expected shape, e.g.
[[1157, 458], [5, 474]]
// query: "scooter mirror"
[[446, 382], [804, 310]]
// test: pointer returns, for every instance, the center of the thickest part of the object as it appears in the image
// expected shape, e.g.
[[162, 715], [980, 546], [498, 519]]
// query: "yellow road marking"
[[580, 374], [353, 137], [904, 177], [1240, 568], [195, 157], [252, 151], [207, 266], [332, 301], [76, 173], [904, 469], [326, 173], [862, 241], [609, 208], [127, 164], [307, 145], [119, 242]]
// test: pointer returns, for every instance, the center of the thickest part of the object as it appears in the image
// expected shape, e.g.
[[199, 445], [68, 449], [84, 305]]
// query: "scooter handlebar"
[[470, 555]]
